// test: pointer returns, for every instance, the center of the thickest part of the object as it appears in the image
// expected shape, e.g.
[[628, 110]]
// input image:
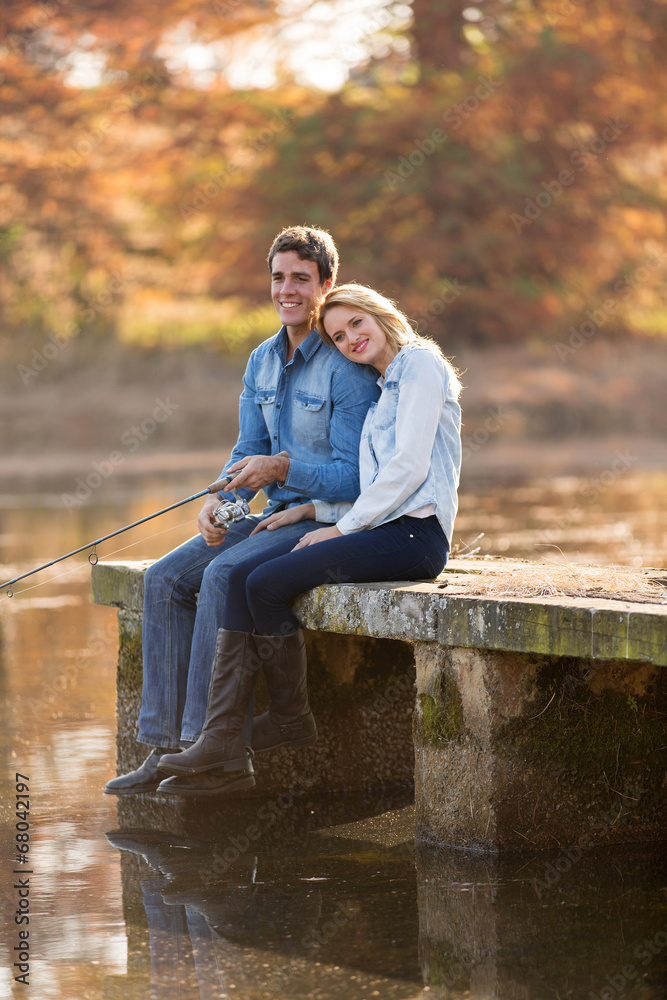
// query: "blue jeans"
[[180, 940], [262, 586], [180, 630]]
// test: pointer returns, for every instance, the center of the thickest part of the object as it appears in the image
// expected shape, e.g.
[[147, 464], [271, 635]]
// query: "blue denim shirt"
[[312, 407], [410, 450]]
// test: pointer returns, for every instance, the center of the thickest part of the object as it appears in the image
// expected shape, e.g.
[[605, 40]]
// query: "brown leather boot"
[[221, 743], [289, 721]]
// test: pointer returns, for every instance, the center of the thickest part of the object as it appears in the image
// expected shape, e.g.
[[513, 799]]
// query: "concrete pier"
[[526, 723]]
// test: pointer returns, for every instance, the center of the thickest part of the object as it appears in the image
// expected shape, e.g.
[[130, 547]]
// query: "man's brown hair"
[[308, 243]]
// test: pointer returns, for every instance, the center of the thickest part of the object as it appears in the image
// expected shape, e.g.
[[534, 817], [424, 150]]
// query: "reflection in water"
[[345, 918], [520, 929], [58, 727], [330, 900], [617, 519]]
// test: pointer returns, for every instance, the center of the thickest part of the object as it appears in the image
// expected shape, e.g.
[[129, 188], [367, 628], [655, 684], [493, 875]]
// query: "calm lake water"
[[333, 901]]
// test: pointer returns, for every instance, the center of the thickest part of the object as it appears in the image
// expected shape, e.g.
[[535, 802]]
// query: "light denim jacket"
[[410, 449], [313, 407]]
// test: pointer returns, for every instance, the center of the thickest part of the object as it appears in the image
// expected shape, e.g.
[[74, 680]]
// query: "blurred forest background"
[[499, 167]]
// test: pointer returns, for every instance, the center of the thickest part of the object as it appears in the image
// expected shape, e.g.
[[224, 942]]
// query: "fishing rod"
[[224, 514]]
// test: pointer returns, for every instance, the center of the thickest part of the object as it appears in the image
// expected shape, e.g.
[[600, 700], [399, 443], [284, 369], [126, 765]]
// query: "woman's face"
[[359, 337]]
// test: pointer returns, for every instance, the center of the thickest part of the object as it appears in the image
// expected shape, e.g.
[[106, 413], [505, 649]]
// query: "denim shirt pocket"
[[311, 414], [266, 398], [385, 411]]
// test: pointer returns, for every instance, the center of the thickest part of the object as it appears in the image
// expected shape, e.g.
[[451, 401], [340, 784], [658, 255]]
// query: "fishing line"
[[114, 552], [225, 513]]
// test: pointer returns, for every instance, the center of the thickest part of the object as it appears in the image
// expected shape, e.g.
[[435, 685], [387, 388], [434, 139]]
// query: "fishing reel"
[[230, 510]]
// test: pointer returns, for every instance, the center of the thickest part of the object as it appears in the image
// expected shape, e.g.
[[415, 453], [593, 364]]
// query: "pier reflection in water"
[[353, 911], [314, 897]]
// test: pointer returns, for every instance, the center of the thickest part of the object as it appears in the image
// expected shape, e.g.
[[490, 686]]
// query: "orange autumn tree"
[[501, 171], [509, 183], [87, 163]]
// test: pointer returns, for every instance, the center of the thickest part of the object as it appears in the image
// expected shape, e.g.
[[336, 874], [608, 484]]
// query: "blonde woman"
[[399, 528]]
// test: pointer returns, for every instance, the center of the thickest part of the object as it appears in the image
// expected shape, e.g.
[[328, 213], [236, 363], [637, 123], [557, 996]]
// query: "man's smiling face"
[[296, 291]]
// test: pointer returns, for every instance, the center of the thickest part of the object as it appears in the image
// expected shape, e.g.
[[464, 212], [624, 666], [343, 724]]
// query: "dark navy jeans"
[[261, 587]]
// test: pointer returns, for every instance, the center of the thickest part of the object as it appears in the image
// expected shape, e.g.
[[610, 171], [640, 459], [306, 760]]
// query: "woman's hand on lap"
[[319, 535], [304, 512]]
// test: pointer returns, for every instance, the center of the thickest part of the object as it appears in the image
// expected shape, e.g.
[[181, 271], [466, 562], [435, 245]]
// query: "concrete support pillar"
[[518, 751]]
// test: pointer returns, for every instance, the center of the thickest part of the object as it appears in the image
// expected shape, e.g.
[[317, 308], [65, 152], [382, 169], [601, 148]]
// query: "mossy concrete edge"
[[575, 627]]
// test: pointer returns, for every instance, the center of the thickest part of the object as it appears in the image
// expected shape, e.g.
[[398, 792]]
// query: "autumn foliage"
[[500, 170]]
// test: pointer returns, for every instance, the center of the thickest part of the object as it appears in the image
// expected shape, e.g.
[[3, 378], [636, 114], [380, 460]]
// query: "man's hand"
[[304, 512], [319, 535], [210, 532], [258, 471]]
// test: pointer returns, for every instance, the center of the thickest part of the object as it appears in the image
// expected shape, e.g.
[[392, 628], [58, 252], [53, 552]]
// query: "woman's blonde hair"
[[394, 323]]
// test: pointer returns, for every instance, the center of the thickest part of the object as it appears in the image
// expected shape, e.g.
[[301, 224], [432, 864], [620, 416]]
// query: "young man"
[[302, 398]]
